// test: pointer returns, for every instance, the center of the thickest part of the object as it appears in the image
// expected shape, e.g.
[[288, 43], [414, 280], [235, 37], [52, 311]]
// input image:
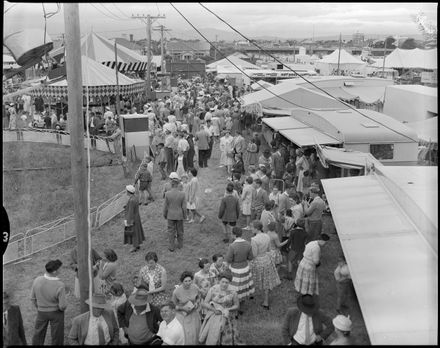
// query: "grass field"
[[257, 326]]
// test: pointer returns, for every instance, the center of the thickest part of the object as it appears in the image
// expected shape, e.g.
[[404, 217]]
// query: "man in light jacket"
[[99, 329]]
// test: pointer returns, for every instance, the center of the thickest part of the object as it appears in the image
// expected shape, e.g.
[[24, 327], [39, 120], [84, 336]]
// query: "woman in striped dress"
[[306, 280], [264, 272], [237, 256]]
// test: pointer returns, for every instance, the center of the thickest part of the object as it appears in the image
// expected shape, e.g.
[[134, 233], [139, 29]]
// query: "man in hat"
[[48, 294], [306, 324], [314, 213], [174, 211], [202, 138], [134, 232], [139, 318], [13, 329], [100, 328], [169, 150]]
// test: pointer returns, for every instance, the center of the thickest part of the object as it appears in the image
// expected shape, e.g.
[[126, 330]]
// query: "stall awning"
[[368, 95], [339, 92], [393, 267], [283, 122], [344, 158], [308, 137]]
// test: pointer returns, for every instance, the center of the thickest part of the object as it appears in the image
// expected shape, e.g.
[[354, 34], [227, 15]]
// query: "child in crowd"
[[161, 160], [217, 267]]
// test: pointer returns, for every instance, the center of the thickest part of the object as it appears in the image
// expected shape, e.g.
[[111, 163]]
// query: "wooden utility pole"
[[149, 22], [162, 28], [77, 157], [339, 54], [117, 81]]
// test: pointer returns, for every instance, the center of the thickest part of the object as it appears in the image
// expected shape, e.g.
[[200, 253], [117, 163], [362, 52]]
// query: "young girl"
[[180, 170], [275, 245]]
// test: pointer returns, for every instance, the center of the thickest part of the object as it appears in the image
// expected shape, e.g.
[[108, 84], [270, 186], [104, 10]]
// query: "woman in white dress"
[[227, 148], [246, 198], [302, 164]]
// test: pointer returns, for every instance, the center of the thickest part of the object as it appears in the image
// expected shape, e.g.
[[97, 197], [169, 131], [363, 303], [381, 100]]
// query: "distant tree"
[[409, 44], [390, 42], [427, 28]]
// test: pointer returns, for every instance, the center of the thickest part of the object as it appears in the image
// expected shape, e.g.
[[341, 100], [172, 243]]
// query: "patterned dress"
[[220, 329], [264, 272], [274, 250], [153, 277], [191, 322], [306, 280]]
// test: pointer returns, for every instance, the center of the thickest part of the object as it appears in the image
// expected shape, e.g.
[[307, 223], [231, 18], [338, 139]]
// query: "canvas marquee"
[[98, 79], [102, 50], [347, 62], [410, 59]]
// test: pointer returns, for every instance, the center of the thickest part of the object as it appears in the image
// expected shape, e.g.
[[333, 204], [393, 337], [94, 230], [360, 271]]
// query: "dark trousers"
[[315, 229], [343, 290], [175, 230], [162, 170], [185, 161], [56, 320], [190, 159], [170, 159], [203, 158]]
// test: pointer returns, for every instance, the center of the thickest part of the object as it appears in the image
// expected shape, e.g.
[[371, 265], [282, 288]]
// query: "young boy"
[[161, 160]]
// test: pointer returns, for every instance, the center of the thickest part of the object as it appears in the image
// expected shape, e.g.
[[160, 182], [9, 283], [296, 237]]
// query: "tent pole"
[[339, 54], [117, 81]]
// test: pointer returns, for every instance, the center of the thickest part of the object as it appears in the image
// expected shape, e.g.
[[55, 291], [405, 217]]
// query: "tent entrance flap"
[[308, 137]]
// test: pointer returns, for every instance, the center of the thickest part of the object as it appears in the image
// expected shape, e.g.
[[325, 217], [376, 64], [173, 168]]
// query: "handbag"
[[154, 341], [128, 231]]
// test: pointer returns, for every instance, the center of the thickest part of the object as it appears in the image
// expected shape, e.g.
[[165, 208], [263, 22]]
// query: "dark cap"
[[53, 265]]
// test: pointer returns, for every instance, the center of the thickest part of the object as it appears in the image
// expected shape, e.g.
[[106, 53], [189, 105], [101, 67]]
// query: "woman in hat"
[[306, 280], [186, 297], [341, 336], [221, 303], [134, 233], [264, 272], [299, 321]]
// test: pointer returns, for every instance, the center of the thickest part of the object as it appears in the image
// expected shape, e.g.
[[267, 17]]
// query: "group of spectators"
[[277, 194]]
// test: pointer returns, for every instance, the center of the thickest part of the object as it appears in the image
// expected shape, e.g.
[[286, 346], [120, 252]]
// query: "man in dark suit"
[[13, 330], [278, 168], [202, 137], [102, 329], [174, 210]]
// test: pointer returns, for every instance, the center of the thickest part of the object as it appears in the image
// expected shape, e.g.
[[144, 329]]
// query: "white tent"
[[102, 50], [347, 63], [387, 223], [256, 86], [286, 96], [410, 59], [242, 64]]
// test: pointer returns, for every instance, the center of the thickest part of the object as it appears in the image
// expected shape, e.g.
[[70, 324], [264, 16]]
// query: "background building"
[[187, 50]]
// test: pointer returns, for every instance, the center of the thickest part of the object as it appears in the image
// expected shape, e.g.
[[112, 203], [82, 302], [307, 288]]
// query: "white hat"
[[174, 176], [12, 104], [130, 188], [107, 107], [212, 109], [342, 323]]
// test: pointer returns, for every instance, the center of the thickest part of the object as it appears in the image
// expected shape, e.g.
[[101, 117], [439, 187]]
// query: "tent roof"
[[427, 130], [393, 264], [242, 64], [283, 122], [368, 126], [308, 137], [289, 95], [257, 85], [415, 59], [96, 74], [345, 58], [103, 50]]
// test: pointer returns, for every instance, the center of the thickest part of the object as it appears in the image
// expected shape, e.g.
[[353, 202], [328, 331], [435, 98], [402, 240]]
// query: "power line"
[[120, 10], [319, 88], [276, 95], [106, 15], [122, 19]]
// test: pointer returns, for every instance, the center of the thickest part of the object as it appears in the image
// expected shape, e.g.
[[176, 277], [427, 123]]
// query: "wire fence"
[[52, 136], [22, 246]]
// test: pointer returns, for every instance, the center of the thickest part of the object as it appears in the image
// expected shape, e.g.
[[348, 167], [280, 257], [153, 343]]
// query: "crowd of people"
[[277, 195]]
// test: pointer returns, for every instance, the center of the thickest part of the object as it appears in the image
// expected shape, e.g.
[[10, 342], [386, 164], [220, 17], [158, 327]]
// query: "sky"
[[289, 20]]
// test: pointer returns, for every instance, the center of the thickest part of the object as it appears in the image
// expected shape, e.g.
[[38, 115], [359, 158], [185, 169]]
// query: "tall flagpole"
[[77, 157]]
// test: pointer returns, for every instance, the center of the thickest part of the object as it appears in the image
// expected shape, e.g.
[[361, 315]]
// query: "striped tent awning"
[[102, 50], [97, 80]]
